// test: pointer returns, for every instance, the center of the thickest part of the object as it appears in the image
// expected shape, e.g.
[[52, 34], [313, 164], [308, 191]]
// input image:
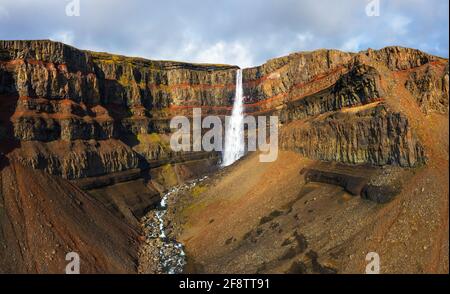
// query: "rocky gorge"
[[100, 123]]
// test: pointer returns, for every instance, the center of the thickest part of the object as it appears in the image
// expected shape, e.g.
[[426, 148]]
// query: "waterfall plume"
[[234, 134]]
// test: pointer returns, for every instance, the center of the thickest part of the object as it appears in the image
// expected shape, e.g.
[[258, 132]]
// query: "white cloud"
[[3, 13], [197, 50], [354, 44], [305, 37], [227, 53], [399, 24], [63, 36], [233, 31]]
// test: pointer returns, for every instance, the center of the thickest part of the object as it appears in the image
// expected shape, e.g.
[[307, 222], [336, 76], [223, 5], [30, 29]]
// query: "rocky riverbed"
[[161, 252]]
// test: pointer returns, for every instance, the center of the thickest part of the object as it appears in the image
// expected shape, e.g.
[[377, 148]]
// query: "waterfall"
[[234, 134]]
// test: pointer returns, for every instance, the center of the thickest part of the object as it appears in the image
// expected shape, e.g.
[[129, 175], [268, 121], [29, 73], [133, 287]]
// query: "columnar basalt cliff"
[[338, 106], [78, 113]]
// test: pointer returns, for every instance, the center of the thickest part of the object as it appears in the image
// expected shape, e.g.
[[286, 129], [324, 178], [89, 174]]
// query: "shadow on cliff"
[[8, 104]]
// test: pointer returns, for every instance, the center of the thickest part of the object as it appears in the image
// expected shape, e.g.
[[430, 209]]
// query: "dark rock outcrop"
[[380, 185], [430, 88], [352, 184], [374, 135]]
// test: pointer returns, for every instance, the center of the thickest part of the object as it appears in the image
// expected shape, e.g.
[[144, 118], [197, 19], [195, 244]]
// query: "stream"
[[171, 255]]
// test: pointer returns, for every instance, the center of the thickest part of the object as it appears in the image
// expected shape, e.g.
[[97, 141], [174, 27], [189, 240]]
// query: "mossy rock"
[[197, 190], [152, 139], [168, 176]]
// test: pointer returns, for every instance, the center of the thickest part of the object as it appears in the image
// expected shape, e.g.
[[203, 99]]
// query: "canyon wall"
[[79, 113], [343, 107]]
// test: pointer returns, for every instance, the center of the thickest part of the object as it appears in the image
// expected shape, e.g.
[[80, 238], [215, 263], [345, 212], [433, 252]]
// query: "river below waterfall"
[[162, 252]]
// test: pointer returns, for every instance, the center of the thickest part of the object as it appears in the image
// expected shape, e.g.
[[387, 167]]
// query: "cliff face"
[[344, 107], [350, 77], [371, 135], [57, 71], [292, 77], [78, 113]]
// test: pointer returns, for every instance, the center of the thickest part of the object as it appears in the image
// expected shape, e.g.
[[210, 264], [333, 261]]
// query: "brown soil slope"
[[263, 217], [44, 217]]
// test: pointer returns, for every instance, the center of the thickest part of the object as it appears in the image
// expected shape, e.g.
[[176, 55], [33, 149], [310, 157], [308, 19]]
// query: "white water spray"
[[234, 134]]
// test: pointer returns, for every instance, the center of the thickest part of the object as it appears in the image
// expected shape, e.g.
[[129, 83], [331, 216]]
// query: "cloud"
[[3, 13], [354, 44], [64, 36], [399, 24], [233, 31], [303, 38], [221, 51]]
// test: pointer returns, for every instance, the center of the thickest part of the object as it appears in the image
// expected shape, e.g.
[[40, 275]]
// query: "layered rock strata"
[[80, 114]]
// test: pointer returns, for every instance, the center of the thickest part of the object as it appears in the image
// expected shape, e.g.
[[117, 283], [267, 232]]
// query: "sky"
[[239, 32]]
